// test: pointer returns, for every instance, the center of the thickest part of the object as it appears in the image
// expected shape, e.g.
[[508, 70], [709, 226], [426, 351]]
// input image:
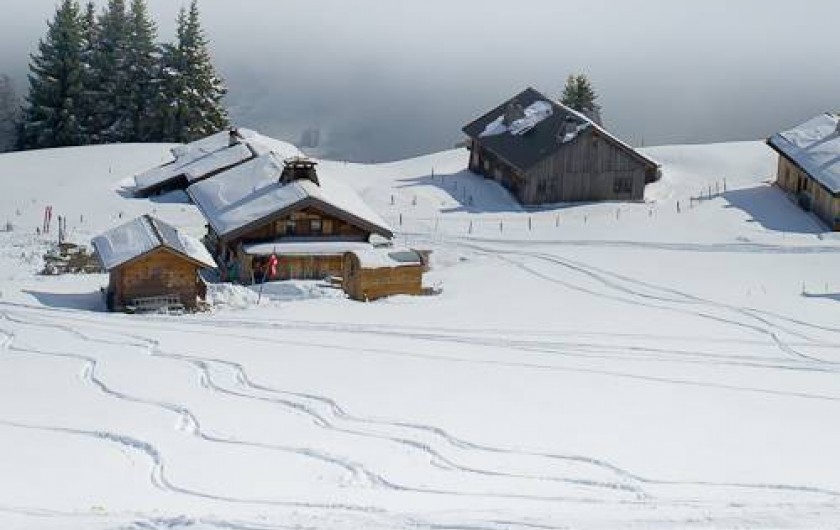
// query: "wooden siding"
[[486, 163], [302, 223], [313, 267], [158, 273], [306, 223], [590, 168], [365, 284], [809, 193]]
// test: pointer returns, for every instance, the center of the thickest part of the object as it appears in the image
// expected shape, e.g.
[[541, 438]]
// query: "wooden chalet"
[[370, 274], [270, 207], [147, 258], [544, 152], [809, 166], [199, 160]]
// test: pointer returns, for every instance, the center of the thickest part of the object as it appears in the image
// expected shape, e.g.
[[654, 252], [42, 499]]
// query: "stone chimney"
[[233, 137]]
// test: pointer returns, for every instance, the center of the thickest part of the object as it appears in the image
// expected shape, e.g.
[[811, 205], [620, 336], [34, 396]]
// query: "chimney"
[[233, 137], [299, 168], [513, 112]]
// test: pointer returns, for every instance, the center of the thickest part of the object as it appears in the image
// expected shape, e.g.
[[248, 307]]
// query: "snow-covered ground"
[[667, 364]]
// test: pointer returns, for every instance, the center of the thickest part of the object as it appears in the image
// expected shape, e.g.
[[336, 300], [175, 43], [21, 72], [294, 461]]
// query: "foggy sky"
[[386, 79]]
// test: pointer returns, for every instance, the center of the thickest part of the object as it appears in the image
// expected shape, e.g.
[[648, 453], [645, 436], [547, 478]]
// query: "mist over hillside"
[[404, 81]]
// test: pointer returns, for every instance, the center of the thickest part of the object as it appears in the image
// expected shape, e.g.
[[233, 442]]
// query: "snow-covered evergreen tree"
[[51, 112], [191, 94], [142, 67], [109, 64], [8, 114], [579, 95]]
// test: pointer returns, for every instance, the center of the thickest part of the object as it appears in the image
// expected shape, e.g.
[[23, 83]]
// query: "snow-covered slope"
[[665, 364]]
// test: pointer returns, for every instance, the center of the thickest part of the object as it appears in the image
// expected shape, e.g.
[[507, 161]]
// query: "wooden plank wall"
[[303, 224], [365, 284], [823, 202], [586, 170], [159, 273]]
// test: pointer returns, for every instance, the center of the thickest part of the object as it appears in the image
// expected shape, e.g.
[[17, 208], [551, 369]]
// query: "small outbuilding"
[[809, 166], [375, 273], [149, 259]]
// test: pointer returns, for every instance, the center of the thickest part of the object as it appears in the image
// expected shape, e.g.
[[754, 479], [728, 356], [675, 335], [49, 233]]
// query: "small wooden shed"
[[376, 273], [809, 166], [147, 258]]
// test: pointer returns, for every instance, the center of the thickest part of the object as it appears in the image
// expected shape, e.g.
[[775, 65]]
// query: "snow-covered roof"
[[195, 168], [306, 248], [210, 144], [388, 258], [252, 192], [143, 235], [534, 114], [545, 126], [197, 160], [815, 147]]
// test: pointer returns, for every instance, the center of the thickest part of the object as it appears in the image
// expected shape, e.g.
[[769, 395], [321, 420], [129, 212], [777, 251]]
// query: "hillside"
[[667, 364]]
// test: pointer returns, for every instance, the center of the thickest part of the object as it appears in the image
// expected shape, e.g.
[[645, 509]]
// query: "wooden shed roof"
[[139, 237]]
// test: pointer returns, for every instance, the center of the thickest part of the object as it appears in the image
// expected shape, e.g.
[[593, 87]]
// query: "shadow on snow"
[[773, 210]]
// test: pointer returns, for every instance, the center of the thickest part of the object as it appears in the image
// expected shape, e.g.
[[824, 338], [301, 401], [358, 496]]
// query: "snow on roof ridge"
[[140, 236]]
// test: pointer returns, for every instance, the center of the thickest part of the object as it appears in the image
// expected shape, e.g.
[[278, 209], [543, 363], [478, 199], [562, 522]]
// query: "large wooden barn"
[[199, 160], [809, 166], [268, 209], [147, 259], [544, 152], [370, 274]]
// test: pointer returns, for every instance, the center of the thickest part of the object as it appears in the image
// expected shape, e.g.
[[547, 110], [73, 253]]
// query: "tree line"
[[103, 78]]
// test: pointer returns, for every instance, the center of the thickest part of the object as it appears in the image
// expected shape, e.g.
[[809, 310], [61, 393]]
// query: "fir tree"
[[50, 117], [579, 95], [90, 79], [142, 68], [8, 114], [191, 91], [109, 64]]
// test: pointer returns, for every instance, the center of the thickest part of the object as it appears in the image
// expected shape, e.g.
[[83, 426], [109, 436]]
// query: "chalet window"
[[623, 185], [291, 227], [327, 226], [315, 226]]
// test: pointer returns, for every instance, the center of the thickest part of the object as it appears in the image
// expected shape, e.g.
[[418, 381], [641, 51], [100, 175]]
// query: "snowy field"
[[668, 364]]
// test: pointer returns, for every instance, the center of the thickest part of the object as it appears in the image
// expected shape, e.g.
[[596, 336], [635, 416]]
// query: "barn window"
[[315, 226], [622, 185], [291, 227]]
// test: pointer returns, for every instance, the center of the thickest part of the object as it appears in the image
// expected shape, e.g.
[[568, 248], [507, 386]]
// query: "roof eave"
[[298, 205]]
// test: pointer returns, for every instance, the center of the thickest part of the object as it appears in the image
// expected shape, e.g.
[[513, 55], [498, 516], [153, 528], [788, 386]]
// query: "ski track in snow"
[[326, 413], [439, 446]]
